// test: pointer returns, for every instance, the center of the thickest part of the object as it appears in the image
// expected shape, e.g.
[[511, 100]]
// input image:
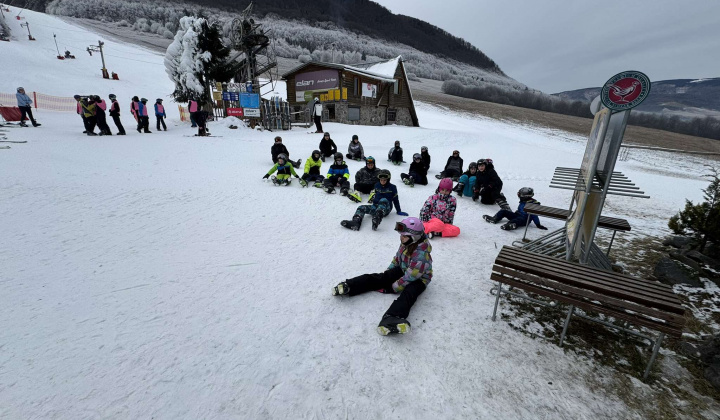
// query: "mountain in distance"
[[682, 97]]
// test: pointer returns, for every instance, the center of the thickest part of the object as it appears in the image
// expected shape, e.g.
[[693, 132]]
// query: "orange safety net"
[[42, 101]]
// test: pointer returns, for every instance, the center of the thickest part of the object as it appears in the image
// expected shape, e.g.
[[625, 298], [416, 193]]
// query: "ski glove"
[[541, 227], [402, 213], [397, 288], [266, 176]]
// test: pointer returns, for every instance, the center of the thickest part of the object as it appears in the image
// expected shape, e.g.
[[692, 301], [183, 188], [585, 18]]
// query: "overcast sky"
[[558, 45]]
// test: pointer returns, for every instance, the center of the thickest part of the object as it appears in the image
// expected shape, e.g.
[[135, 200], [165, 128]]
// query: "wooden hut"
[[365, 94]]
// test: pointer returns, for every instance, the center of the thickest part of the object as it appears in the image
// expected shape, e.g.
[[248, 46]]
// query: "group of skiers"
[[92, 110], [410, 271]]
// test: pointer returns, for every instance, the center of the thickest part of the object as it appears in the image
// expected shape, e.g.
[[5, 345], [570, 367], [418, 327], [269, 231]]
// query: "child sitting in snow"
[[355, 149], [519, 217], [381, 200], [417, 173], [284, 170], [395, 155], [467, 181], [439, 211], [312, 170], [409, 274], [337, 175]]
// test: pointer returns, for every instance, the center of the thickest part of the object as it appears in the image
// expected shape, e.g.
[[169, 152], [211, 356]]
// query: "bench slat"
[[677, 320], [657, 290], [604, 222], [590, 306]]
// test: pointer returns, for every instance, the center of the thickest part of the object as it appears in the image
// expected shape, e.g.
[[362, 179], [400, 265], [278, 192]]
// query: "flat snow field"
[[158, 276]]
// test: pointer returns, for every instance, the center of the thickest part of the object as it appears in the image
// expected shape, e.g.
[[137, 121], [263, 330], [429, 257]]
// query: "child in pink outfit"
[[439, 211]]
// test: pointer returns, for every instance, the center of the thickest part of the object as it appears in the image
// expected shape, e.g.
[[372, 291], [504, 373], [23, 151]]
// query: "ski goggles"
[[370, 161], [402, 228]]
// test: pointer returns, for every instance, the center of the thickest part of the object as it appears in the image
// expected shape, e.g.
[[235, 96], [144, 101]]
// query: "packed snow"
[[158, 276]]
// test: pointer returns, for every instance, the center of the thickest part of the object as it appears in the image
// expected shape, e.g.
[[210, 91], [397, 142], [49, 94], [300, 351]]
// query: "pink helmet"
[[411, 226], [446, 184]]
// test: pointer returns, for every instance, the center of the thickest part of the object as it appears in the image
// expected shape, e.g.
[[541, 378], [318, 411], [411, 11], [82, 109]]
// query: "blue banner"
[[250, 100]]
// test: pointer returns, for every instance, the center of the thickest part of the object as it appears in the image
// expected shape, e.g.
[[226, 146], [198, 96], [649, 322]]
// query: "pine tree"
[[4, 29], [196, 58], [701, 220]]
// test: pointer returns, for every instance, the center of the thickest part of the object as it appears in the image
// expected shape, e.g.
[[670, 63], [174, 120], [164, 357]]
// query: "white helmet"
[[317, 99]]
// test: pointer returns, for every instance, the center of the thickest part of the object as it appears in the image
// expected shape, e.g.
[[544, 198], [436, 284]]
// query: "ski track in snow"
[[157, 276]]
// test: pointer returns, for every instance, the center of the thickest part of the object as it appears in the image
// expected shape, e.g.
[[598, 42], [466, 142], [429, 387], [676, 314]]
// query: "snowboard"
[[393, 325]]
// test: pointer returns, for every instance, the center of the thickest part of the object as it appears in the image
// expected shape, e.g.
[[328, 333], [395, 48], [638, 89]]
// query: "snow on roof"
[[383, 70]]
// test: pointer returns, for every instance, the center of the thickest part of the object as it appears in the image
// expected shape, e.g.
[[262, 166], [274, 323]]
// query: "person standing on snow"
[[115, 114], [317, 111], [88, 106], [100, 108], [408, 274], [355, 149], [439, 211], [381, 200], [79, 110], [160, 114], [24, 103], [198, 117], [327, 147], [143, 116]]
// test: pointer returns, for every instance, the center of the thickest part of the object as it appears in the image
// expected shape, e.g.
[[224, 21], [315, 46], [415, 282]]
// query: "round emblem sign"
[[625, 90]]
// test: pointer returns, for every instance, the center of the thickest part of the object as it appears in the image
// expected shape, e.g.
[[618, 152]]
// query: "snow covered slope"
[[157, 276]]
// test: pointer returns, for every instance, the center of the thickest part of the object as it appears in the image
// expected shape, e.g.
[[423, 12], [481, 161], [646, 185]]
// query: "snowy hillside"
[[158, 276]]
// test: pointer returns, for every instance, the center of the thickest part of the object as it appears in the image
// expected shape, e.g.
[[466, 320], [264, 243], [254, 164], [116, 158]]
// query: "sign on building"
[[234, 112], [230, 96], [250, 100], [308, 84], [251, 112], [369, 90]]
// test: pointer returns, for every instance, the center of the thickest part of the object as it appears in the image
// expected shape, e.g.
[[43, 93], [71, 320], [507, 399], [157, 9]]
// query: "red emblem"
[[625, 90]]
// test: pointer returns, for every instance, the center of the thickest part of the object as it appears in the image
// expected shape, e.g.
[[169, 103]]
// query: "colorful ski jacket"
[[440, 206], [193, 106], [159, 110], [312, 167], [286, 169], [88, 109], [23, 100], [102, 105], [388, 192], [416, 265], [366, 176], [356, 150], [142, 109], [339, 170]]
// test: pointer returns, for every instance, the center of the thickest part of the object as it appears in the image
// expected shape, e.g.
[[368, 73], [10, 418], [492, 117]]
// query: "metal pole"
[[56, 45], [656, 348], [102, 57], [611, 242], [567, 322], [497, 299], [527, 223]]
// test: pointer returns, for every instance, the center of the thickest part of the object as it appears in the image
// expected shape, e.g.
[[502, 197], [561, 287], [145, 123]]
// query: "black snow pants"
[[318, 124], [383, 281], [363, 188], [102, 122], [336, 180], [118, 124]]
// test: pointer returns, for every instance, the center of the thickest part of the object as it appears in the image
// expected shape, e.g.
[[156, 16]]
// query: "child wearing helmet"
[[408, 274], [100, 116], [312, 170], [365, 180], [439, 211], [417, 173], [518, 218], [160, 114], [381, 200], [327, 147], [425, 157], [395, 155], [284, 170], [488, 185], [115, 114], [337, 175], [467, 181], [277, 148], [453, 167], [355, 149]]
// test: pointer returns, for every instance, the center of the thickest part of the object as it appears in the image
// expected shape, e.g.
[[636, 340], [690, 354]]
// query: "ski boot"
[[509, 226], [393, 325], [489, 219], [475, 196], [340, 289], [459, 188], [354, 197], [434, 235], [318, 184], [372, 195], [274, 180], [303, 183], [287, 182], [439, 176], [353, 224], [344, 191], [377, 218], [330, 190], [406, 181], [502, 202]]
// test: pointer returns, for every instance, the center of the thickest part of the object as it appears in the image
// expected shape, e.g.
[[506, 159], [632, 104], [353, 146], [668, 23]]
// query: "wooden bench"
[[638, 301], [613, 223]]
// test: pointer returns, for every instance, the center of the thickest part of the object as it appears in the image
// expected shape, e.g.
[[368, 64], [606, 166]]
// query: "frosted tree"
[[4, 29], [195, 58]]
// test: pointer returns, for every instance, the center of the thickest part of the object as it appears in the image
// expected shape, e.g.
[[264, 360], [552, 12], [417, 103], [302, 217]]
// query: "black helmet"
[[316, 152], [282, 156], [424, 149], [472, 165], [417, 156], [397, 142], [384, 174], [338, 156], [326, 134], [278, 139], [526, 193], [112, 96], [135, 98], [355, 137], [77, 96]]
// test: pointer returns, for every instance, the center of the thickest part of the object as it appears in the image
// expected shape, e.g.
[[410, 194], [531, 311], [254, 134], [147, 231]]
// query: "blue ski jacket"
[[387, 191]]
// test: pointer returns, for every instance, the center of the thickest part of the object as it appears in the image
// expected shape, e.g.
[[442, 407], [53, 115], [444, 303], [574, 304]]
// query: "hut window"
[[356, 86], [398, 87], [353, 113], [331, 111], [392, 114]]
